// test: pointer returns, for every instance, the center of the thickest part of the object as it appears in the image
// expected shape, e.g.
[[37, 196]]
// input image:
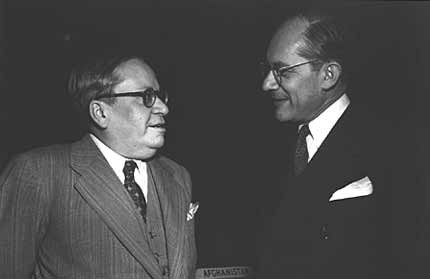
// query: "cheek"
[[305, 92], [132, 126], [140, 118], [296, 87]]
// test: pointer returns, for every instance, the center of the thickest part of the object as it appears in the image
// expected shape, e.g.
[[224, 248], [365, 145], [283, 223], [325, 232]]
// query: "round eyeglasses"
[[280, 71], [148, 96]]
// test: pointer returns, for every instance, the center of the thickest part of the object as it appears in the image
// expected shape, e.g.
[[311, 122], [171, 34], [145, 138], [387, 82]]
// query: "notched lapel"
[[101, 189], [337, 160], [172, 199]]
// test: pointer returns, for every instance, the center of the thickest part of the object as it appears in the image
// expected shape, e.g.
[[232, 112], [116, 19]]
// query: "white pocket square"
[[359, 188], [193, 210]]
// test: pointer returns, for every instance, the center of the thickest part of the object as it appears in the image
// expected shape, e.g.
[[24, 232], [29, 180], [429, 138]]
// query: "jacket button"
[[324, 232]]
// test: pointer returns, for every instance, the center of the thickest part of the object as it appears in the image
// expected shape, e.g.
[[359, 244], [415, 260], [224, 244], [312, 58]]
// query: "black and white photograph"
[[214, 139]]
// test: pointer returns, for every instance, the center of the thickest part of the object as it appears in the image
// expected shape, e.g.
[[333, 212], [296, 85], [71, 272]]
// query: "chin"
[[153, 142], [281, 117], [148, 152], [156, 145]]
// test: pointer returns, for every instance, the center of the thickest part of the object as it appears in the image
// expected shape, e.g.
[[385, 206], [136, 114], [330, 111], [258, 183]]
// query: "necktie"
[[301, 154], [133, 188]]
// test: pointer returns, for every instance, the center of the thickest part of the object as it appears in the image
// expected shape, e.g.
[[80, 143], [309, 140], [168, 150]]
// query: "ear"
[[99, 113], [330, 74]]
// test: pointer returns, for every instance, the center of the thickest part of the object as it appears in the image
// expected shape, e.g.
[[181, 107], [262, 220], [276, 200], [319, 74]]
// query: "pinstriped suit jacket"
[[65, 214]]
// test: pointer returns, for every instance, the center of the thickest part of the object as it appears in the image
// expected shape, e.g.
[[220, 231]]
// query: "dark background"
[[206, 53]]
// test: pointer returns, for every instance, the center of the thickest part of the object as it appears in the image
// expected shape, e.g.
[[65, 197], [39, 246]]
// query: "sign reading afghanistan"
[[224, 272]]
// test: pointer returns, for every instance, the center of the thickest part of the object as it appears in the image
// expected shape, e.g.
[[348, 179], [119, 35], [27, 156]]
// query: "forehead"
[[136, 75], [286, 41]]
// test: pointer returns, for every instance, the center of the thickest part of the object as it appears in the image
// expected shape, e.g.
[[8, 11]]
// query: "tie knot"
[[304, 131], [301, 154], [129, 168]]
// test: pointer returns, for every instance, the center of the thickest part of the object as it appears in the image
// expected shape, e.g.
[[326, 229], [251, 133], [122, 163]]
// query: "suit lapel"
[[101, 188], [306, 202], [336, 160], [172, 200]]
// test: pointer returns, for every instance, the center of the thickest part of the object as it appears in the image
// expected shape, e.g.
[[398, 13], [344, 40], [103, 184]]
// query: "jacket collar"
[[102, 190]]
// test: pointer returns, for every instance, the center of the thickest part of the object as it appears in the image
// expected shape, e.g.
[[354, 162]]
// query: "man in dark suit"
[[335, 219], [106, 206]]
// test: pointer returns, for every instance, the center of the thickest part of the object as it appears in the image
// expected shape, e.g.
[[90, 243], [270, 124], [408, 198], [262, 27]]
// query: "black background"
[[206, 53]]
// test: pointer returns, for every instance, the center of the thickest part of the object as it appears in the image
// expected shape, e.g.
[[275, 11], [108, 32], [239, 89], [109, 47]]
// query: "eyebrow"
[[280, 64]]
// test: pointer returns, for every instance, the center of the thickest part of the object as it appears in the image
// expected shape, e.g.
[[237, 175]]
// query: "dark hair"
[[92, 79], [326, 38]]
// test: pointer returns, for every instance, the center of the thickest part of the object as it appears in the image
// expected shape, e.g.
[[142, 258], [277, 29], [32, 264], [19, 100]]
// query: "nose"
[[270, 82], [160, 107]]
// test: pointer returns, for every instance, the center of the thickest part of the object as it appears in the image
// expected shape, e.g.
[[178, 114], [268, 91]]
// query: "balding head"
[[288, 38], [306, 67]]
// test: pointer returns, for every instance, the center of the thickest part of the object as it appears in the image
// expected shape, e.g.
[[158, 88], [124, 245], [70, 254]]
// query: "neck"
[[124, 148], [334, 96]]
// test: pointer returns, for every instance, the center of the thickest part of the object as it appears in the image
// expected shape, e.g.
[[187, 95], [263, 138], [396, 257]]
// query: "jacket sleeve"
[[23, 216]]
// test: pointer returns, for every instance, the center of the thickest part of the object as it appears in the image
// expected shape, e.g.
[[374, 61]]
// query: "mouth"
[[158, 125], [280, 100], [277, 97]]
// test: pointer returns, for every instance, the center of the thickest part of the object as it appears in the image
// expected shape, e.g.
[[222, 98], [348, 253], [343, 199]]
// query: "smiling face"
[[134, 130], [297, 95]]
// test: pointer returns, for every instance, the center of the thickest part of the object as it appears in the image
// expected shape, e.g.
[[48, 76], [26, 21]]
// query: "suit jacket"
[[311, 237], [65, 214]]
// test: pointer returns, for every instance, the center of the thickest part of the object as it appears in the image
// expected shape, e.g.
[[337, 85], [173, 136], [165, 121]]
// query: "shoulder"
[[33, 173], [38, 164], [377, 138], [44, 155], [367, 125]]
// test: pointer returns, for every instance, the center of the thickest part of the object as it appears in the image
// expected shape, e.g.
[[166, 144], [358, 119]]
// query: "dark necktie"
[[133, 188], [301, 154]]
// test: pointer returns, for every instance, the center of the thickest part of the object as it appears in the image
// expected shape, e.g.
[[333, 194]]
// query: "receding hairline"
[[300, 21], [290, 34], [297, 23], [132, 61]]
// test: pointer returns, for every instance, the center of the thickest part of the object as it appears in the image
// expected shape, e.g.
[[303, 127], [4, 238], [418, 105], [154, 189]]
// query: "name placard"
[[224, 272]]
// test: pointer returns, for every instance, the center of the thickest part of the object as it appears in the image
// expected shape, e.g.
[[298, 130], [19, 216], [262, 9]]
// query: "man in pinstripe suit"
[[76, 211]]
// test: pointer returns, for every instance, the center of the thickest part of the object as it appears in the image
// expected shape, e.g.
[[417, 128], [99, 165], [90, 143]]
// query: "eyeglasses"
[[281, 71], [148, 96]]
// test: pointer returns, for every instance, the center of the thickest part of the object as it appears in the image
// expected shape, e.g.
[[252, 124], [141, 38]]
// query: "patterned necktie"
[[301, 155], [133, 188]]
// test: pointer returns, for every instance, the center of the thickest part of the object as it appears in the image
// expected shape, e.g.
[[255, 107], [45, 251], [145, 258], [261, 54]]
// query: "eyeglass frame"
[[279, 72], [160, 94]]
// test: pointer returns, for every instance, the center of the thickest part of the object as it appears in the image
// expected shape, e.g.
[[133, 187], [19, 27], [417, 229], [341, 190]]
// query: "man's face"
[[297, 94], [136, 130]]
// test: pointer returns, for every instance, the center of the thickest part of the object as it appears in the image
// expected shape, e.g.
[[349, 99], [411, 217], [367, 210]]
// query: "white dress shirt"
[[116, 161], [321, 126]]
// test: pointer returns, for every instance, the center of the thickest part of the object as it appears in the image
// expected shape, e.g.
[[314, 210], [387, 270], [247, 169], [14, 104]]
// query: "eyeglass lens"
[[151, 95]]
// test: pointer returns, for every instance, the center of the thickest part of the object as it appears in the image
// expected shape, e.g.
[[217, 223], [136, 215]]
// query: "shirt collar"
[[322, 125], [115, 160]]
